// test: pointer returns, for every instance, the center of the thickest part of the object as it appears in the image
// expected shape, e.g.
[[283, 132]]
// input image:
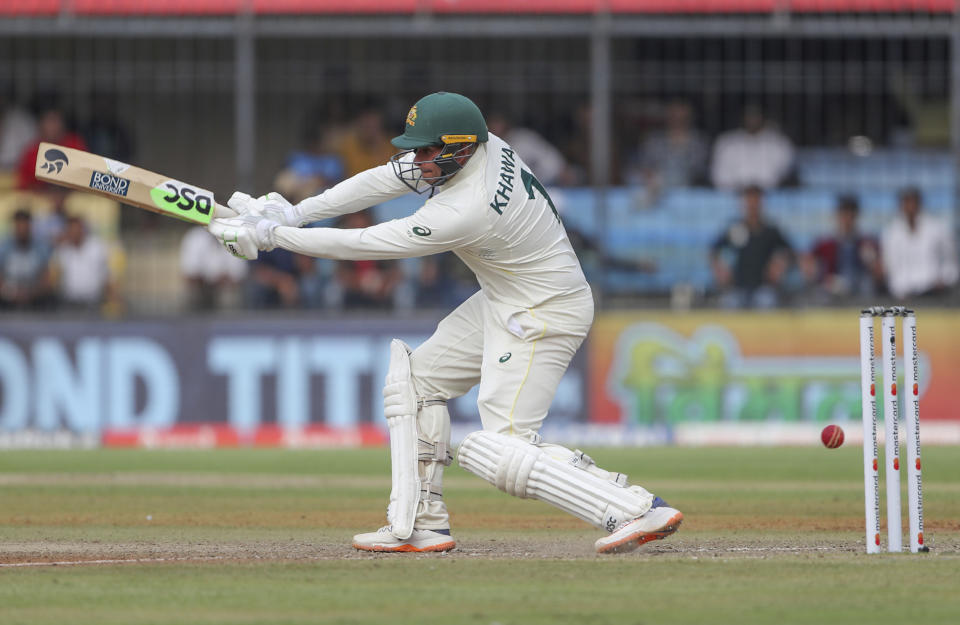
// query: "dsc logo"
[[187, 198]]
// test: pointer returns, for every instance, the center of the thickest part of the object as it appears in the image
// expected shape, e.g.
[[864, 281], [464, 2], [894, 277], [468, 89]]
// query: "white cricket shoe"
[[657, 523], [419, 541]]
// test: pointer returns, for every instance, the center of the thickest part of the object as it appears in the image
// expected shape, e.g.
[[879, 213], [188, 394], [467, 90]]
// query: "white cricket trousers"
[[516, 355]]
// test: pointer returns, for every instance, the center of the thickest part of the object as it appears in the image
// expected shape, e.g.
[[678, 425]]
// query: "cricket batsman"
[[515, 337]]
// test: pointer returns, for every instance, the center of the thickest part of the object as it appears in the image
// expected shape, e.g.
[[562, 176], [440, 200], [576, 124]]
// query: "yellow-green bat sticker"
[[184, 201]]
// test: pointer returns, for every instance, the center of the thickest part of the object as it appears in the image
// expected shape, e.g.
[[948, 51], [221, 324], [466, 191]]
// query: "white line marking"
[[760, 549], [117, 561]]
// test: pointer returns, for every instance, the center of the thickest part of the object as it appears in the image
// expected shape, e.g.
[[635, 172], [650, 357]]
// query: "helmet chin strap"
[[447, 159]]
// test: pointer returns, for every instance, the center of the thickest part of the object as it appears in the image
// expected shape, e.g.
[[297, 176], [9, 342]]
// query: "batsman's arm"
[[433, 229], [356, 193]]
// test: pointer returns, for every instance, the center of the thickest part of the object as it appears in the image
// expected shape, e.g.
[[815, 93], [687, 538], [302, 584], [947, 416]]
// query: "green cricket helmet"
[[442, 119]]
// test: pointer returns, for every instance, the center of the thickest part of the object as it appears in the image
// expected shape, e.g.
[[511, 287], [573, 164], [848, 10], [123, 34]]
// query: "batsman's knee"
[[420, 374]]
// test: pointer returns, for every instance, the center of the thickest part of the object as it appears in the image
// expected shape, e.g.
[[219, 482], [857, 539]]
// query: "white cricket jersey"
[[493, 214]]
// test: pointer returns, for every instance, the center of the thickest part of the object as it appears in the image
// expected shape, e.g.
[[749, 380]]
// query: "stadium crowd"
[[51, 258]]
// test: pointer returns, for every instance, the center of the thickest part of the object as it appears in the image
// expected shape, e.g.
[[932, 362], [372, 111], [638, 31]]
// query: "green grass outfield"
[[772, 535]]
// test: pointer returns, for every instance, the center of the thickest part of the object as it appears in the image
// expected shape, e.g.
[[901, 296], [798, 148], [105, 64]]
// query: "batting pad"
[[522, 469], [400, 409]]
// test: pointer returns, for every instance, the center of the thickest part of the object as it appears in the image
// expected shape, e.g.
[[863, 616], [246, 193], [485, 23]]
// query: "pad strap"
[[434, 451], [437, 451]]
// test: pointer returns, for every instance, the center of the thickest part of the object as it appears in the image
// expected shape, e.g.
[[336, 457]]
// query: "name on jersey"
[[109, 183], [508, 168]]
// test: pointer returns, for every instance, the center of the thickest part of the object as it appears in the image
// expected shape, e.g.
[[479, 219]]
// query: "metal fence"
[[870, 103]]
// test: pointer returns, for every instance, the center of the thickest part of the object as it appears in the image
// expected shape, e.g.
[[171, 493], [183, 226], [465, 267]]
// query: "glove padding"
[[244, 236], [243, 204], [277, 208], [272, 206]]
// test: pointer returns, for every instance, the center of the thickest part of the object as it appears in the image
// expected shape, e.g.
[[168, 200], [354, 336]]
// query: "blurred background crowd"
[[738, 169]]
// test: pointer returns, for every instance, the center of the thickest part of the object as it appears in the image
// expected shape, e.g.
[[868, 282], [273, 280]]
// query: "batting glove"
[[243, 204], [277, 208], [245, 236], [272, 205]]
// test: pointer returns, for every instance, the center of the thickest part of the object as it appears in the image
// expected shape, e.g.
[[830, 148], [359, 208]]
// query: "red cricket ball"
[[832, 436]]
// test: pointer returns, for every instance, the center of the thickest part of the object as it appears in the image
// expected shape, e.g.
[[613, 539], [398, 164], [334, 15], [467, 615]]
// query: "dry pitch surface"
[[250, 536]]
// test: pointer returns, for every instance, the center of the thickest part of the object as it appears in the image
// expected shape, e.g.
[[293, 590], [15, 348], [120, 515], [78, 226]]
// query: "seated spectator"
[[444, 282], [82, 267], [52, 128], [756, 155], [595, 259], [544, 160], [49, 228], [365, 144], [24, 267], [919, 254], [366, 284], [846, 262], [17, 130], [311, 171], [596, 262], [213, 276], [675, 156], [760, 258], [275, 279], [576, 146], [103, 132]]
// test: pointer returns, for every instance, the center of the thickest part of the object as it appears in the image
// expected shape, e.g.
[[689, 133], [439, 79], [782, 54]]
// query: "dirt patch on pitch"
[[545, 545]]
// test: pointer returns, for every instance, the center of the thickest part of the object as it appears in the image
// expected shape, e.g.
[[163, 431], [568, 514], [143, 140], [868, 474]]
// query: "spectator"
[[845, 262], [213, 276], [597, 263], [24, 267], [82, 267], [17, 130], [53, 129], [760, 258], [311, 171], [275, 279], [577, 146], [365, 144], [756, 155], [919, 256], [675, 156], [103, 132], [444, 282], [50, 227], [544, 160], [367, 284]]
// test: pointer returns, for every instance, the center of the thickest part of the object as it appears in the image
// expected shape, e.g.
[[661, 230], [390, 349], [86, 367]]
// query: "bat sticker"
[[108, 183], [56, 159], [178, 197]]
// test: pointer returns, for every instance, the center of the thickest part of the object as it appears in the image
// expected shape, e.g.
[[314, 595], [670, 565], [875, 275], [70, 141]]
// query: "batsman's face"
[[423, 158]]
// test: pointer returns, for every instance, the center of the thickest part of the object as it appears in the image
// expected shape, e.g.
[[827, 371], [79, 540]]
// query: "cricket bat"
[[138, 187]]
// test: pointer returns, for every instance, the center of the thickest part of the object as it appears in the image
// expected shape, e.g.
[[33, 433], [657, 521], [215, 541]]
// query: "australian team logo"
[[56, 159], [109, 183], [412, 116]]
